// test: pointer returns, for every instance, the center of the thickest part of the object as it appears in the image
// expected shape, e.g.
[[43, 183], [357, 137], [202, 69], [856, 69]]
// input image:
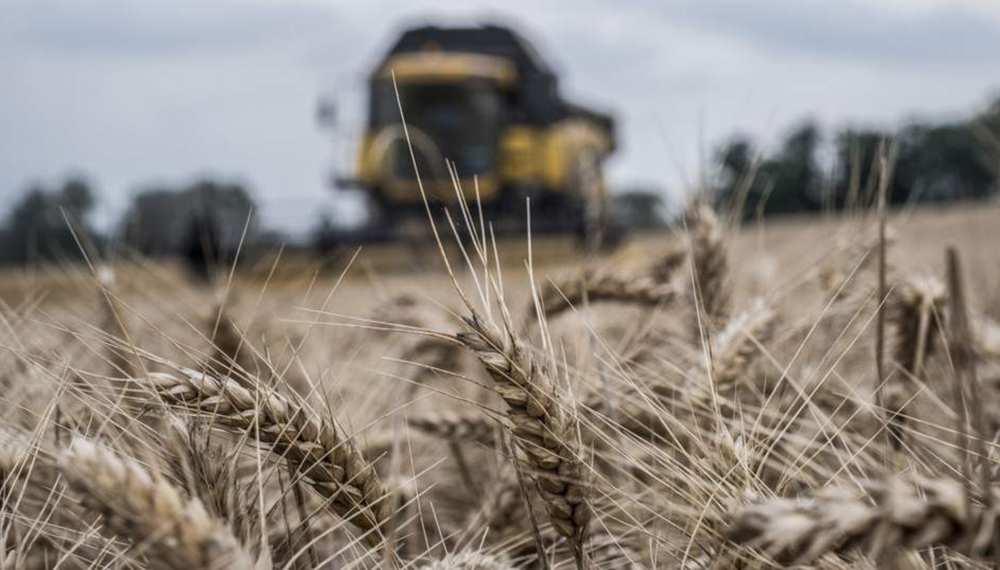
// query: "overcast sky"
[[132, 93]]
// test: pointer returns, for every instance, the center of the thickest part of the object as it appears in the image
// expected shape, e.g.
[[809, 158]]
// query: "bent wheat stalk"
[[315, 446], [915, 514], [172, 532], [603, 287], [469, 428]]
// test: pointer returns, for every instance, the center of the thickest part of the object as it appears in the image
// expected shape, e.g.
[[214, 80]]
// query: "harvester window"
[[461, 119]]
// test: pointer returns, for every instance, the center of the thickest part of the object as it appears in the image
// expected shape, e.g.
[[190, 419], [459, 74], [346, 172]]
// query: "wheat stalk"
[[708, 262], [663, 269], [736, 346], [609, 552], [605, 286], [433, 354], [468, 561], [915, 316], [209, 473], [228, 350], [328, 461], [26, 474], [541, 426], [402, 310], [896, 514], [916, 313], [170, 531], [14, 448], [112, 324], [501, 508], [849, 259], [986, 337], [468, 428]]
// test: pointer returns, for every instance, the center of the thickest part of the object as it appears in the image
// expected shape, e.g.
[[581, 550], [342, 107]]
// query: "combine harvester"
[[483, 99]]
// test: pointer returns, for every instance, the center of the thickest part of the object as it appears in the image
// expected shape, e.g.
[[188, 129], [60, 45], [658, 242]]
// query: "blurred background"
[[131, 121]]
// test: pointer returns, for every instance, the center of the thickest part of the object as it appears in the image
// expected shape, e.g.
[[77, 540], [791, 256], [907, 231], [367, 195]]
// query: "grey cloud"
[[945, 35], [126, 29]]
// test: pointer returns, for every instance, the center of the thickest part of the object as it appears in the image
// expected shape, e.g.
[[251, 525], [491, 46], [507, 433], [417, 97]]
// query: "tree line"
[[204, 221], [808, 172], [925, 162]]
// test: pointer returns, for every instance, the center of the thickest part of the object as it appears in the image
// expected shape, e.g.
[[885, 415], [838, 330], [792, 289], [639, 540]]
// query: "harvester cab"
[[481, 99]]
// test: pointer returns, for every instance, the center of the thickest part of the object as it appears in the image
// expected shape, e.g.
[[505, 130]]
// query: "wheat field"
[[715, 397]]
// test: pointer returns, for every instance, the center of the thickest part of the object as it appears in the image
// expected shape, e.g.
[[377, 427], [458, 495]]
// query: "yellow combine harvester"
[[482, 99]]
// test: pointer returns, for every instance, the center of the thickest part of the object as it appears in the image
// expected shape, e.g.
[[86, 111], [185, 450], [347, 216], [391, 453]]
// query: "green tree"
[[41, 225], [785, 183], [640, 208], [161, 219], [928, 163]]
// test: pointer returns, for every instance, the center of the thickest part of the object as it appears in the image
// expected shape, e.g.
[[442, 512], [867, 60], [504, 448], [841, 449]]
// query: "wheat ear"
[[172, 532], [708, 261], [14, 448], [468, 561], [501, 508], [315, 446], [209, 473], [607, 551], [604, 287], [899, 514], [433, 355], [468, 428], [228, 350], [916, 311], [986, 337], [663, 269], [915, 317], [542, 428], [118, 356], [734, 350]]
